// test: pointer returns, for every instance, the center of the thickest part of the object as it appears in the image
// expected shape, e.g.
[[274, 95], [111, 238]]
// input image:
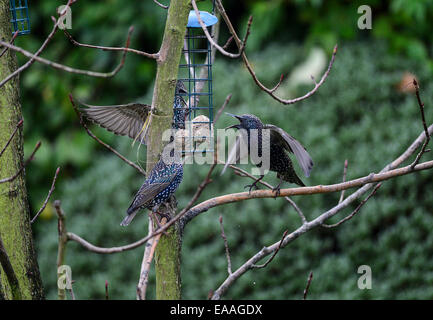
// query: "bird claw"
[[251, 186], [156, 221], [277, 191]]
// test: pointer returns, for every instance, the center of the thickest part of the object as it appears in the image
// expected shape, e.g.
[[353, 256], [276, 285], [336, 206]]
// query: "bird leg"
[[278, 188], [254, 184], [154, 218]]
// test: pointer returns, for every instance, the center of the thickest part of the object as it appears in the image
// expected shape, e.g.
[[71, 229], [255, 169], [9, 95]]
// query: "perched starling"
[[160, 185], [279, 142], [129, 119]]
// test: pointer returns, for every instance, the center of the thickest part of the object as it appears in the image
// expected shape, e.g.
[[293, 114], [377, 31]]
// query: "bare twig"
[[103, 48], [160, 4], [350, 216], [147, 260], [34, 57], [48, 197], [63, 240], [90, 133], [310, 278], [19, 124], [272, 257], [12, 178], [271, 91], [427, 135], [346, 163], [226, 245], [106, 290], [213, 43], [11, 41], [220, 111], [71, 290], [9, 271]]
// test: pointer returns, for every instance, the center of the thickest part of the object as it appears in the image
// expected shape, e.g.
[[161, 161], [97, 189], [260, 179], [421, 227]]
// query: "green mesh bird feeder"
[[196, 74], [20, 16]]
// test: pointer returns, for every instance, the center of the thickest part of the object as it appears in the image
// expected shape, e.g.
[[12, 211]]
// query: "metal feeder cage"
[[20, 16], [195, 71]]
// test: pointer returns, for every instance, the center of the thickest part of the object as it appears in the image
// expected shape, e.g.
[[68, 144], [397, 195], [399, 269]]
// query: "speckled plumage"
[[280, 142], [160, 185]]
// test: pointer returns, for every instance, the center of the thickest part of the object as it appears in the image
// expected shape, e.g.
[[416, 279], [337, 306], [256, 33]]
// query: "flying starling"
[[132, 119], [160, 185], [279, 142]]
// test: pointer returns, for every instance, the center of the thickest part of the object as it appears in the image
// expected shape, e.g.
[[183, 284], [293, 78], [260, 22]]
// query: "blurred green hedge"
[[358, 114]]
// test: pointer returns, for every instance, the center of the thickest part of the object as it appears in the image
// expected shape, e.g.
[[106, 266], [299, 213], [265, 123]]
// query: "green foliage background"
[[357, 115]]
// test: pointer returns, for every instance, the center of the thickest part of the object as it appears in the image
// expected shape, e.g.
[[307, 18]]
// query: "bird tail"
[[128, 218], [298, 181]]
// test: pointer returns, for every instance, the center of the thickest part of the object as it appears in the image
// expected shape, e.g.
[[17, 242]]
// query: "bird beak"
[[235, 126]]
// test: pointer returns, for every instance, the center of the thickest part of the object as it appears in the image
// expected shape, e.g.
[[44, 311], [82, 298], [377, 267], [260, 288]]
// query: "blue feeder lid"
[[208, 19]]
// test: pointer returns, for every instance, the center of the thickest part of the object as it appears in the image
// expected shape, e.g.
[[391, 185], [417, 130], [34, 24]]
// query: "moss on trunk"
[[15, 225]]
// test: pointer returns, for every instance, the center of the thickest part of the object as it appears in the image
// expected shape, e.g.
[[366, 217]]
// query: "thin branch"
[[350, 216], [61, 247], [19, 124], [226, 245], [147, 260], [9, 271], [71, 290], [106, 290], [48, 196], [103, 48], [346, 163], [11, 41], [427, 135], [310, 278], [34, 57], [272, 257], [91, 134], [160, 4], [213, 43], [240, 45], [62, 67], [220, 111], [12, 178]]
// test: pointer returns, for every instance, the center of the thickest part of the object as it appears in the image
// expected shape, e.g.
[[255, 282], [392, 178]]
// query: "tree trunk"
[[167, 254], [15, 225]]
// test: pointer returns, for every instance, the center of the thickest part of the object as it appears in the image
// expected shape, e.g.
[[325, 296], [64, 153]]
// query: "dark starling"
[[129, 119], [280, 142], [160, 185]]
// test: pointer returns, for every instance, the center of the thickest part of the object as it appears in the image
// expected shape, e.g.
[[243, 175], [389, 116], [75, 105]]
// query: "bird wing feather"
[[124, 119], [281, 137]]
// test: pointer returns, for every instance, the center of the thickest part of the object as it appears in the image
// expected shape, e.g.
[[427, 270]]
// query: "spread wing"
[[281, 137], [124, 119]]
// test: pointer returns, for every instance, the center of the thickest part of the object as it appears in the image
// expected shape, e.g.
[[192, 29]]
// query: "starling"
[[160, 185], [130, 119], [280, 142]]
